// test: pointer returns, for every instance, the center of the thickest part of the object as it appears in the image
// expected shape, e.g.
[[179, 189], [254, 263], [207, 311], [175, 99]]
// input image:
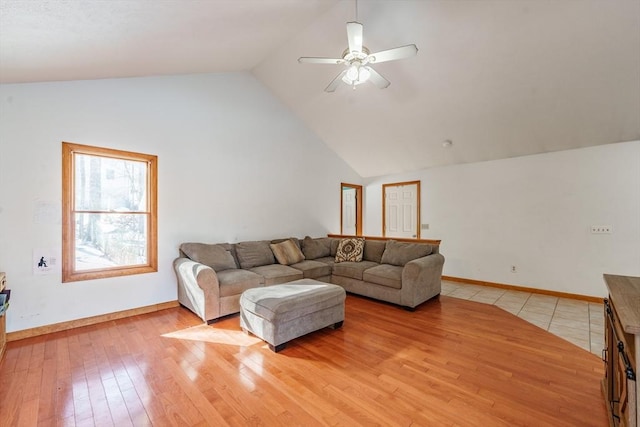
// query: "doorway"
[[401, 210], [350, 209]]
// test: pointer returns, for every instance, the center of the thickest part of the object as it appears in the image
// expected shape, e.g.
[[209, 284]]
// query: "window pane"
[[109, 215], [110, 240], [107, 184]]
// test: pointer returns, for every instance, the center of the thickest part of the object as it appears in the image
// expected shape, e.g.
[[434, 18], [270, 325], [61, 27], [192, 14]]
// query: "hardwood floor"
[[451, 362]]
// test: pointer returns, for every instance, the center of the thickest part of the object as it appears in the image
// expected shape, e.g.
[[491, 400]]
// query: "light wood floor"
[[451, 362]]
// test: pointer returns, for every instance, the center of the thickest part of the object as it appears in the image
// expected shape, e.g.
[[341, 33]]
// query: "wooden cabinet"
[[3, 335], [3, 321], [622, 352]]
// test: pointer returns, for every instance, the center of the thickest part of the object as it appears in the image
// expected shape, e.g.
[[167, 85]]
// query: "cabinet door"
[[609, 360], [3, 334]]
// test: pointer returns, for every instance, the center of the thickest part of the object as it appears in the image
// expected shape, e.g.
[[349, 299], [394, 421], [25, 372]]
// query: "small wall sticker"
[[45, 261]]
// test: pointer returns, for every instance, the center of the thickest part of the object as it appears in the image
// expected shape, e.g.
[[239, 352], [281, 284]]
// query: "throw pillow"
[[215, 256], [350, 250], [287, 252]]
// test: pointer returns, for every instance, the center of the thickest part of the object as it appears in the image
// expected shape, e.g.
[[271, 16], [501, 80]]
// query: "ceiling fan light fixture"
[[351, 82], [353, 72], [356, 74]]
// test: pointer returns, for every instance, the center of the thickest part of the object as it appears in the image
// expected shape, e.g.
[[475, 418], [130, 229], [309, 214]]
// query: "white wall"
[[234, 165], [534, 212]]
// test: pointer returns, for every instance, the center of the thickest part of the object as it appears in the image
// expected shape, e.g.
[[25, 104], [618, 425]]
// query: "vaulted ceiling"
[[497, 78]]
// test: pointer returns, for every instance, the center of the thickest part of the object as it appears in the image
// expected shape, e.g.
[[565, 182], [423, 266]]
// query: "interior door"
[[349, 211], [401, 210]]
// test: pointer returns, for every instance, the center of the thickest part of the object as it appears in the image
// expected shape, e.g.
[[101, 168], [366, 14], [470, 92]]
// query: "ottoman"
[[280, 313]]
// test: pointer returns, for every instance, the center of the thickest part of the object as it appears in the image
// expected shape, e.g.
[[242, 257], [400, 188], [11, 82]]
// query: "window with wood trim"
[[109, 213]]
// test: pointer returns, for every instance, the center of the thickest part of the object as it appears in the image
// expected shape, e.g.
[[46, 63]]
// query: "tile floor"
[[579, 322]]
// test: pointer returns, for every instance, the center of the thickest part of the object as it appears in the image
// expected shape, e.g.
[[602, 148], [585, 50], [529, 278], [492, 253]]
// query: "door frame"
[[384, 205], [358, 189]]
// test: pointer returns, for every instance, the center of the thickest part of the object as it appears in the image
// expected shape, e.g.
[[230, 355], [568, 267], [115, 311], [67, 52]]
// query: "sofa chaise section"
[[402, 273], [209, 281]]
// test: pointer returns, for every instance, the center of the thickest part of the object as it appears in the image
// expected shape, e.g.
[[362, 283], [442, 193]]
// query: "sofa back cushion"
[[287, 252], [218, 257], [334, 246], [400, 253], [254, 254], [373, 250], [316, 248]]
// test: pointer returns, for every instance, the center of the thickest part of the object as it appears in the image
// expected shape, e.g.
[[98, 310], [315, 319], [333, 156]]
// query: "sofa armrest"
[[198, 287], [421, 279]]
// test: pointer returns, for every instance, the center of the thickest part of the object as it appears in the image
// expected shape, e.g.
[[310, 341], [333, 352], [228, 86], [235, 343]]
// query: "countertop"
[[624, 292]]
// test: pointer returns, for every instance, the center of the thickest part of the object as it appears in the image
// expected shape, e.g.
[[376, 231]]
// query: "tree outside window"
[[109, 212]]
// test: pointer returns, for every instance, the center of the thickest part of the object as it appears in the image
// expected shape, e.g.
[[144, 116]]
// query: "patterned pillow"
[[350, 250], [287, 252]]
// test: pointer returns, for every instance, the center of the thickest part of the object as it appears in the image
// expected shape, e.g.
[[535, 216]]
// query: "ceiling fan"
[[358, 60]]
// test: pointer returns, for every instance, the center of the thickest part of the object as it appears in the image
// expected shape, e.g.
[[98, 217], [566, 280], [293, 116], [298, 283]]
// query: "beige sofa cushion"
[[215, 256], [313, 269], [329, 260], [287, 252], [234, 282], [352, 270], [316, 248], [400, 253], [334, 247], [385, 275], [254, 254], [276, 273], [373, 250]]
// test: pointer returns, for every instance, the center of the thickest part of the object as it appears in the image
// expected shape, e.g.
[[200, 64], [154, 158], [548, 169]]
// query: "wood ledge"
[[397, 239], [71, 324]]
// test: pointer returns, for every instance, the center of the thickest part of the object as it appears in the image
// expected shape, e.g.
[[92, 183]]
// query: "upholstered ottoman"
[[280, 313]]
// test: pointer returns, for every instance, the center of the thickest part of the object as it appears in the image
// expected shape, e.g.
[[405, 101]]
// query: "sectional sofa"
[[211, 277]]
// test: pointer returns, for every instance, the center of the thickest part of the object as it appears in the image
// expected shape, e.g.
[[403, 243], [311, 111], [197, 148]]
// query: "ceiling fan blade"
[[377, 79], [335, 82], [354, 35], [311, 60], [393, 54]]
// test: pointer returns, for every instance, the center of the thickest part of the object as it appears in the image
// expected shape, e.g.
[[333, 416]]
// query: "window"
[[109, 213]]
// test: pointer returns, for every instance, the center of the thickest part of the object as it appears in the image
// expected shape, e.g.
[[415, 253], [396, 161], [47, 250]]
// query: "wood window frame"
[[69, 273]]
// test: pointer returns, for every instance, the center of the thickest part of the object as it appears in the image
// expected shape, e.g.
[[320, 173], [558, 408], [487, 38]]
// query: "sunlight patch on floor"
[[210, 334]]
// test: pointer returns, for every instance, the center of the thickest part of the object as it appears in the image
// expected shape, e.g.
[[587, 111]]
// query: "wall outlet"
[[601, 229], [424, 226], [513, 269]]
